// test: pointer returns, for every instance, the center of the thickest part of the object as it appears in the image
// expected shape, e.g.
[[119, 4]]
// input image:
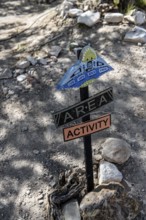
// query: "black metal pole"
[[84, 94]]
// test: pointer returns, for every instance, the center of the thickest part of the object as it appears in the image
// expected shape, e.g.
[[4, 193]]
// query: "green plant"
[[130, 8]]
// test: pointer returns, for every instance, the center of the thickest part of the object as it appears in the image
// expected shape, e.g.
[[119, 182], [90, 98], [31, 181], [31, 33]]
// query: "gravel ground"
[[32, 151]]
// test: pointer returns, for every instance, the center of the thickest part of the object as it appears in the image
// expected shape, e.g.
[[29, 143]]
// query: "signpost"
[[88, 67]]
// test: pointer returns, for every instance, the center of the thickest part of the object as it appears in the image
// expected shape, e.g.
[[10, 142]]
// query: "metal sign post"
[[84, 94], [88, 67]]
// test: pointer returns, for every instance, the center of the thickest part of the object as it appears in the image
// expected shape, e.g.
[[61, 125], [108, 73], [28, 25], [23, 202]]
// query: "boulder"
[[139, 17], [113, 17], [89, 18], [108, 172], [137, 35], [74, 12], [116, 150]]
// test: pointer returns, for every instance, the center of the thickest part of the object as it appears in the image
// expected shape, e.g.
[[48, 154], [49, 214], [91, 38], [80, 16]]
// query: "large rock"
[[109, 201], [74, 12], [113, 17], [71, 210], [89, 18], [137, 35], [140, 17], [108, 172], [116, 150]]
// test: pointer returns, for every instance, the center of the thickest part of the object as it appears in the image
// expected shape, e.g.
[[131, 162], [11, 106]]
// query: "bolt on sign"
[[87, 128], [83, 108], [85, 70]]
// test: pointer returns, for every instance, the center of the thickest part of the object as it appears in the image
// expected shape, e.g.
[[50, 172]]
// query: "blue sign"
[[84, 71]]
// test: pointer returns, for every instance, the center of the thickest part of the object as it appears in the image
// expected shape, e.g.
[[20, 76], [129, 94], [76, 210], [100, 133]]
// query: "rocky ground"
[[32, 149]]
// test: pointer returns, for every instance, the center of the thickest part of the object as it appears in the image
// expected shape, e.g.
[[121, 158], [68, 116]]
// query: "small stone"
[[116, 150], [32, 60], [24, 128], [86, 7], [40, 197], [21, 78], [23, 64], [74, 12], [55, 51], [139, 17], [43, 61], [71, 210], [108, 172], [11, 92], [35, 152], [113, 17], [28, 192], [53, 58], [7, 73], [129, 18], [41, 201], [89, 18], [18, 72], [5, 90], [139, 44]]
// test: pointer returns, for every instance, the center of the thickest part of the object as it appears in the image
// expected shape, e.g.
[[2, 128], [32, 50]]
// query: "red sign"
[[87, 128]]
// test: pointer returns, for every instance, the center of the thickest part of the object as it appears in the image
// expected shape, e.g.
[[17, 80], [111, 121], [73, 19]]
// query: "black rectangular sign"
[[83, 108]]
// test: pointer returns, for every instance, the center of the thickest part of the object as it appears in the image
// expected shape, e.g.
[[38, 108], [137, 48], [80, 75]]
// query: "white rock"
[[108, 172], [23, 64], [11, 92], [113, 17], [71, 210], [74, 12], [129, 18], [139, 17], [137, 35], [89, 18], [21, 78], [55, 51], [116, 150], [32, 60]]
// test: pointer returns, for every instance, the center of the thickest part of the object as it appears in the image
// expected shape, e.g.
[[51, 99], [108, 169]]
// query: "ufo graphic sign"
[[85, 70]]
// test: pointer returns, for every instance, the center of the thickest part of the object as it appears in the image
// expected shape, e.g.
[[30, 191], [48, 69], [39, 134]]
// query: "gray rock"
[[93, 202], [32, 60], [6, 73], [35, 152], [113, 17], [11, 92], [139, 17], [21, 78], [71, 211], [55, 51], [108, 172], [74, 12], [18, 72], [64, 8], [41, 201], [89, 18], [137, 35], [116, 150], [40, 197], [43, 61], [23, 64]]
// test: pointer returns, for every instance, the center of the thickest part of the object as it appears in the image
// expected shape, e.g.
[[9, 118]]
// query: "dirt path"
[[32, 149]]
